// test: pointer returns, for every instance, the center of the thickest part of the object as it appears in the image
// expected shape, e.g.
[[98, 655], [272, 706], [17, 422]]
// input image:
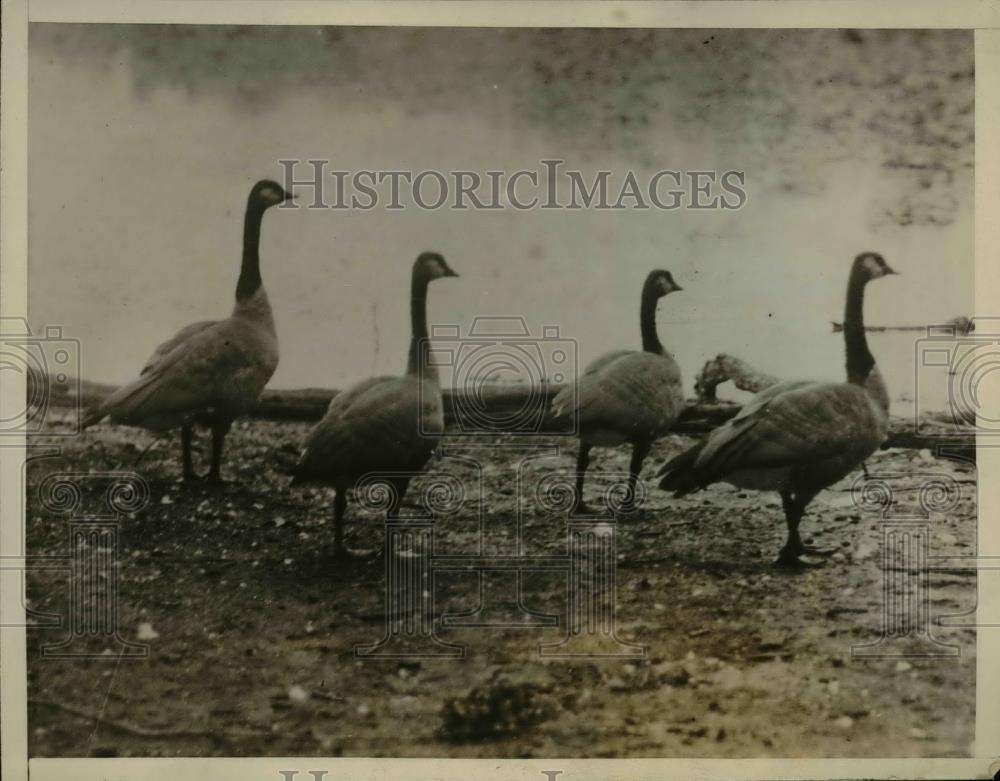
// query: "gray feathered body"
[[209, 370], [794, 436], [624, 396], [382, 424]]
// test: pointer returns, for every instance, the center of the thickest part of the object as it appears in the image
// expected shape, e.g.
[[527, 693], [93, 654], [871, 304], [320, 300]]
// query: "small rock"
[[279, 521], [845, 722], [297, 694], [902, 667], [833, 687], [166, 500], [146, 632], [918, 734]]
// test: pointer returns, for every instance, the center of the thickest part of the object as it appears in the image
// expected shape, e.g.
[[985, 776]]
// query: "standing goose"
[[626, 396], [382, 424], [798, 437], [213, 371]]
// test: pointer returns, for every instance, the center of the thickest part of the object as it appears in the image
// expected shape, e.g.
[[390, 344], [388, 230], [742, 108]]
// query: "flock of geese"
[[795, 437]]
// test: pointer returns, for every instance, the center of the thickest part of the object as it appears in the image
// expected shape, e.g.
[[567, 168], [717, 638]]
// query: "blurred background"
[[144, 141]]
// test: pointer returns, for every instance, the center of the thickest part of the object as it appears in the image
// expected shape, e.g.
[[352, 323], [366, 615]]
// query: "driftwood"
[[961, 326], [495, 404]]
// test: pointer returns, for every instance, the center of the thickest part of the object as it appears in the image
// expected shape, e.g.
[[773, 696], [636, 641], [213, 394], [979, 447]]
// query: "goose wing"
[[789, 425], [631, 393], [174, 341], [382, 423], [215, 363]]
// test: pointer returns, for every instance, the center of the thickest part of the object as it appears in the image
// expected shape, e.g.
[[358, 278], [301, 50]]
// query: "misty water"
[[145, 141]]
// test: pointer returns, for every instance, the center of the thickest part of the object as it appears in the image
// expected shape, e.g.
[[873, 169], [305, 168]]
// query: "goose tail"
[[93, 416], [680, 475]]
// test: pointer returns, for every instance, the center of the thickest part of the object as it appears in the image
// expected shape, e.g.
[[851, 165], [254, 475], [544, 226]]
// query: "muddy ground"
[[251, 627]]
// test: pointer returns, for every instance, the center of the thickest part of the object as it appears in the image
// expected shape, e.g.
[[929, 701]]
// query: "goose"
[[213, 371], [798, 437], [381, 424], [626, 395]]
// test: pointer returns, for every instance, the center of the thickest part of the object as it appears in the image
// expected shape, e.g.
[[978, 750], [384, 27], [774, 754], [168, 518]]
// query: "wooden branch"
[[500, 402]]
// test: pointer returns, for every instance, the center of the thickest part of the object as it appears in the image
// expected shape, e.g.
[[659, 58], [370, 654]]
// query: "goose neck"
[[250, 281], [647, 320], [860, 361], [418, 364]]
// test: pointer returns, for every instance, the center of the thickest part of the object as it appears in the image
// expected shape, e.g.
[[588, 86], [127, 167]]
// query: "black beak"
[[677, 287], [889, 270], [449, 273], [290, 196]]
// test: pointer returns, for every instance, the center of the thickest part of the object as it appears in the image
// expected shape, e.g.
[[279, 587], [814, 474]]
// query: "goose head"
[[267, 193], [661, 283], [871, 265], [430, 266]]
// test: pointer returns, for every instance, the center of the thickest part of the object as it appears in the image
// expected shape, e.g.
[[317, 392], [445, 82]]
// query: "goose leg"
[[794, 548], [400, 485], [219, 431], [339, 507], [186, 438], [582, 462], [341, 552], [639, 452]]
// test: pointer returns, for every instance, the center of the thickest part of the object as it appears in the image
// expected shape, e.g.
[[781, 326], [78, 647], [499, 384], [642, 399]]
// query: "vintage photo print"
[[497, 390]]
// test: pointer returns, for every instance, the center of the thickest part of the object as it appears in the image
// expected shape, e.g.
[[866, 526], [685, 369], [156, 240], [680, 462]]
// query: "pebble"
[[902, 667], [845, 722], [146, 632], [297, 694]]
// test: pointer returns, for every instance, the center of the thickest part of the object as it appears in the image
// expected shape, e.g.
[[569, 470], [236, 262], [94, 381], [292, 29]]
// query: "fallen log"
[[493, 408]]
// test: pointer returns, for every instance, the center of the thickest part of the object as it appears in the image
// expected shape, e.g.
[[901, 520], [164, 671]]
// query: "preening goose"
[[798, 437], [382, 424], [212, 371], [626, 395]]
